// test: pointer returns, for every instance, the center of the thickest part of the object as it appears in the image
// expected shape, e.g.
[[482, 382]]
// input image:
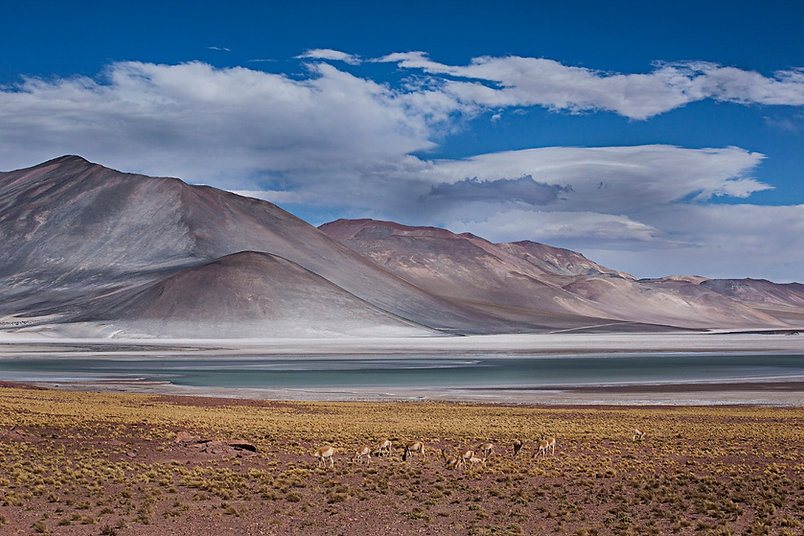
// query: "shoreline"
[[736, 391], [28, 343], [764, 393]]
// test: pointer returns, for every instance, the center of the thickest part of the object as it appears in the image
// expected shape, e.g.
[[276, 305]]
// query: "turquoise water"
[[413, 371]]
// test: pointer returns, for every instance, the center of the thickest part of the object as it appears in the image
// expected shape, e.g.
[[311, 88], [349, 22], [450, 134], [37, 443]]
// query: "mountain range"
[[87, 250]]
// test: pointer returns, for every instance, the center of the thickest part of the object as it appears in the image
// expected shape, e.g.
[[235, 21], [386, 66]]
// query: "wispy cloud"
[[329, 54], [618, 179], [519, 81], [792, 125], [577, 227], [220, 49]]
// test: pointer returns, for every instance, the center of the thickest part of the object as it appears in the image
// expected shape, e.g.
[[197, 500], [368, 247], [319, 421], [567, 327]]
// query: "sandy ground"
[[752, 394], [22, 345]]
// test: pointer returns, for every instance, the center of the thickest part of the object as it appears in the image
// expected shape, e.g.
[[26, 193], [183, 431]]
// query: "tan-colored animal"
[[638, 435], [475, 460], [365, 452], [486, 449], [323, 454], [414, 447], [517, 446], [383, 448], [451, 462], [466, 455], [545, 444]]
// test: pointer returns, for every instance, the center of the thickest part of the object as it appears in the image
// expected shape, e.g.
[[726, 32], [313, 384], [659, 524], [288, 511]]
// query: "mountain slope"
[[674, 303], [558, 261], [463, 267], [248, 294], [537, 278], [76, 231], [84, 244], [760, 292]]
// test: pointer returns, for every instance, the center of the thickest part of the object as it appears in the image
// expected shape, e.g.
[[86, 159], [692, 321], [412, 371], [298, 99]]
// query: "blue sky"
[[656, 138]]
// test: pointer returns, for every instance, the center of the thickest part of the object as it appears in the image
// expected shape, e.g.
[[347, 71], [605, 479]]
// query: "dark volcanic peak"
[[63, 160], [69, 216], [693, 279]]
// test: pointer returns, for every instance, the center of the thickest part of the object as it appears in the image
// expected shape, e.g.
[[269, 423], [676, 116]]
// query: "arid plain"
[[87, 463]]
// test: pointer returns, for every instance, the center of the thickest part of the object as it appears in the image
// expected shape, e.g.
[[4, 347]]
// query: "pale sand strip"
[[759, 394]]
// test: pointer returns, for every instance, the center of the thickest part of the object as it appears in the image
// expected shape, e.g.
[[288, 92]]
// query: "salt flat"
[[340, 347], [769, 391]]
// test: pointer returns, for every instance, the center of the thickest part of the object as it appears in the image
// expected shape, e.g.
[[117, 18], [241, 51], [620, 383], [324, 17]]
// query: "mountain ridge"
[[142, 228], [553, 279], [87, 244]]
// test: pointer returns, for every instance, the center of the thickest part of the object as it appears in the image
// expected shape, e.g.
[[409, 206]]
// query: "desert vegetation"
[[86, 464]]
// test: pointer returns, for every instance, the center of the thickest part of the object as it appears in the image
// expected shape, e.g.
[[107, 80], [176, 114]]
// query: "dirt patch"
[[13, 385]]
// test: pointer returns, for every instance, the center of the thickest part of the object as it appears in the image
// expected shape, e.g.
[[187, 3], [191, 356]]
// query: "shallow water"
[[413, 371]]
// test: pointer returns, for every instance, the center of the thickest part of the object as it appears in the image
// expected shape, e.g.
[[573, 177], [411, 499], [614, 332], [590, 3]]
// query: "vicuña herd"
[[470, 457]]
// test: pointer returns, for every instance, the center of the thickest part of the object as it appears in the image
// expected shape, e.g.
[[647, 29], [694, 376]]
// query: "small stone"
[[243, 445]]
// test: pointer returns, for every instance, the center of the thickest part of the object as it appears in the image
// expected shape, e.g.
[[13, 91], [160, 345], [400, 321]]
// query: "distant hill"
[[84, 245], [539, 278]]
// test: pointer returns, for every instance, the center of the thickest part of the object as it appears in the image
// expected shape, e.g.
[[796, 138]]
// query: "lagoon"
[[475, 371]]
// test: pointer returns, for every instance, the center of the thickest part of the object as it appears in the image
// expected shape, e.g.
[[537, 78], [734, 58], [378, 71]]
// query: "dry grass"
[[81, 463]]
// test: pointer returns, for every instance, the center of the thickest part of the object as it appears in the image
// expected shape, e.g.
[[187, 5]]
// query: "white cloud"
[[618, 179], [519, 81], [343, 143], [558, 227], [210, 125], [792, 125], [731, 241], [329, 54], [748, 87]]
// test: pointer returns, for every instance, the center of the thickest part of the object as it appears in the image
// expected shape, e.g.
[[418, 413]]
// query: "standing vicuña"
[[517, 446], [414, 447], [365, 451], [546, 444], [323, 454], [638, 435], [486, 449], [383, 448]]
